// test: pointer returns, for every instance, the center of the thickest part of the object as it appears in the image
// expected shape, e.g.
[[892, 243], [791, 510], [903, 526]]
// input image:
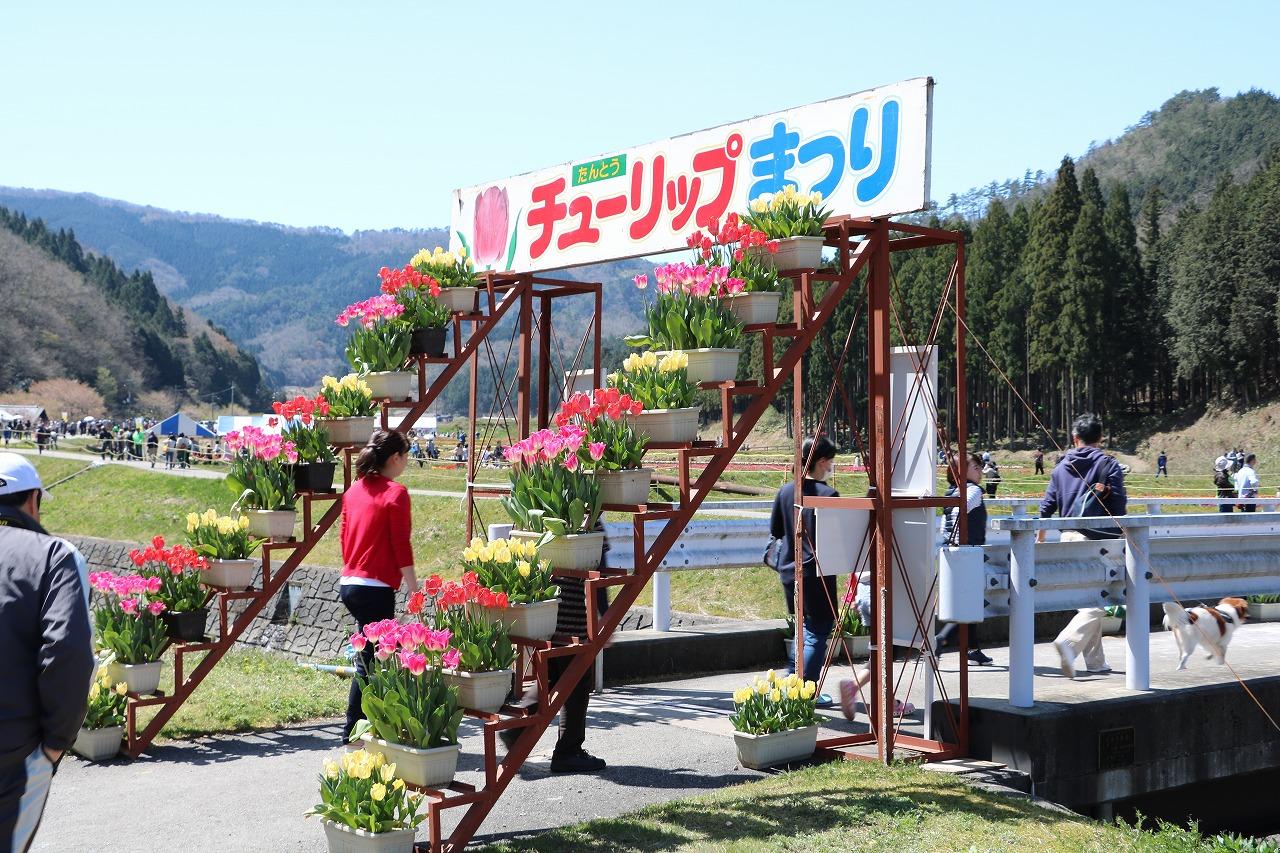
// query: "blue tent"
[[179, 422]]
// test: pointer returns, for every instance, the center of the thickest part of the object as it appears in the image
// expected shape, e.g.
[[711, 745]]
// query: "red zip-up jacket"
[[376, 523]]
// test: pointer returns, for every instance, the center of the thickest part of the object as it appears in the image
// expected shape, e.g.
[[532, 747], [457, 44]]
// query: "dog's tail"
[[1175, 614]]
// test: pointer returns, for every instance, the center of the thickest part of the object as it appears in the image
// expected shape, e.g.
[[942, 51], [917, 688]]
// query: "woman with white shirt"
[[1247, 482]]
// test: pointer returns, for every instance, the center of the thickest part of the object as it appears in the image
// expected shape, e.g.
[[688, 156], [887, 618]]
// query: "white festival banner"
[[867, 153]]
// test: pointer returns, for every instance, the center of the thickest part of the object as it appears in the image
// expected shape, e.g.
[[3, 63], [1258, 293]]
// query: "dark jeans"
[[367, 604], [573, 716], [819, 619], [1248, 507]]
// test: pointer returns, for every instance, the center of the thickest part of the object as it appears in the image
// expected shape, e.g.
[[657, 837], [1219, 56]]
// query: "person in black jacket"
[[44, 630], [819, 456]]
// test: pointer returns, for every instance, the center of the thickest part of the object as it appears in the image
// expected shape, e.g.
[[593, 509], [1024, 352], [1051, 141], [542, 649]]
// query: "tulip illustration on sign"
[[490, 227]]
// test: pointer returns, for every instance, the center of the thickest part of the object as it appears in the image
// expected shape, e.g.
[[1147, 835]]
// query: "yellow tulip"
[[378, 792], [771, 676], [809, 685], [759, 206], [524, 568], [331, 769], [650, 359], [462, 253], [94, 690], [469, 555], [122, 689], [762, 688], [476, 542], [398, 785], [244, 522], [193, 521], [387, 772], [775, 695], [471, 264], [793, 693]]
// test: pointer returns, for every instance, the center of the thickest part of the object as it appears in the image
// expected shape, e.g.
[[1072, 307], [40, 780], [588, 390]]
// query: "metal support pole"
[[526, 359], [661, 601], [544, 362], [1137, 600], [1022, 618]]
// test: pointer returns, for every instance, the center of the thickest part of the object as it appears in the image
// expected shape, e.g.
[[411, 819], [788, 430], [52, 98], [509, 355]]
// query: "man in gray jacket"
[[44, 630]]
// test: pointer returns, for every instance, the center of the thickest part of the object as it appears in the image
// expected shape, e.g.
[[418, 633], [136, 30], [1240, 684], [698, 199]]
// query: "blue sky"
[[366, 115]]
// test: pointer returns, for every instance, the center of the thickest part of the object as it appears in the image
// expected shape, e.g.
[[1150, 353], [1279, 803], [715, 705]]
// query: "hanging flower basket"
[[140, 678], [234, 575], [430, 768], [574, 551], [344, 839], [754, 308], [709, 364], [98, 744], [629, 486], [668, 425]]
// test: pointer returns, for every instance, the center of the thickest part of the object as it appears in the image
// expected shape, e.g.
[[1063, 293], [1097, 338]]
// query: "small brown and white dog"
[[1212, 626]]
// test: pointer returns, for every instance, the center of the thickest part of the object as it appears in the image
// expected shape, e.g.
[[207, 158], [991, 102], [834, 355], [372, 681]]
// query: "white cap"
[[18, 475]]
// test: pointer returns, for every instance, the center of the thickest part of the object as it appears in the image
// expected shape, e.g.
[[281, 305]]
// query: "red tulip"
[[490, 225]]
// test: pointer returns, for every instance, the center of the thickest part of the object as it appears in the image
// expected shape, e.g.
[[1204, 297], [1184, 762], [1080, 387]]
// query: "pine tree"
[[1084, 292], [1126, 332]]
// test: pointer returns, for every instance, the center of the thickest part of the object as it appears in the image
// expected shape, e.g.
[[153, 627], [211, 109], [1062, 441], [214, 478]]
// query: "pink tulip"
[[437, 640], [358, 641], [129, 605], [384, 651], [490, 225], [642, 281], [596, 449], [414, 662], [451, 659], [156, 608], [571, 462]]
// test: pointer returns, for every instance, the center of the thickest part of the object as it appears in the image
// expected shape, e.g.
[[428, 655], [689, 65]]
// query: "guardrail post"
[[1137, 608], [661, 601], [1018, 510], [1022, 618], [1155, 508]]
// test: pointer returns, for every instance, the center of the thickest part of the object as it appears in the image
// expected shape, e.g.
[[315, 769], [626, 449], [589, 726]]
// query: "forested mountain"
[[72, 314]]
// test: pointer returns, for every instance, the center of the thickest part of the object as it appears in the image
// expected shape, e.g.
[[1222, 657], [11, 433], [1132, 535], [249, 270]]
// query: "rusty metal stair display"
[[237, 609]]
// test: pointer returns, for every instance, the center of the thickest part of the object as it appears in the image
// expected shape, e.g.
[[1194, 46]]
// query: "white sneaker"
[[1102, 670], [1068, 656]]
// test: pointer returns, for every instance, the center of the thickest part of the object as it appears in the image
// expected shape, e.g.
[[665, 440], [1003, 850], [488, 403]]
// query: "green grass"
[[251, 689], [851, 806]]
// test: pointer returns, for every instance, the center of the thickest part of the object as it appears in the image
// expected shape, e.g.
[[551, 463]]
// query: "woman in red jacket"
[[376, 555]]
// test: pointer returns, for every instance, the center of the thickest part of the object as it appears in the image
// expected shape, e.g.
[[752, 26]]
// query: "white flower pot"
[[1111, 624], [348, 432], [536, 621], [579, 381], [98, 744], [629, 487], [344, 839], [140, 678], [480, 691], [429, 768], [761, 751], [668, 425], [274, 524], [857, 645], [754, 308], [575, 551], [458, 299], [794, 253], [235, 575], [392, 384], [1264, 612], [709, 364]]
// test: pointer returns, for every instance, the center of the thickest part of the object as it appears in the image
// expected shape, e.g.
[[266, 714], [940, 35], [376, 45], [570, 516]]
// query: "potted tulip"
[[1264, 607], [103, 726], [316, 466], [365, 806], [128, 624], [483, 670], [690, 316], [424, 315], [853, 636], [663, 388], [181, 573], [795, 221], [411, 713], [379, 347], [614, 447], [775, 721], [511, 568], [741, 248], [226, 543], [261, 478], [347, 414], [1112, 619], [455, 273], [553, 500]]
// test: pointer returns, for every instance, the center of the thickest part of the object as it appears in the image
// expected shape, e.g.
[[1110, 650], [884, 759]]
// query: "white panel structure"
[[913, 392]]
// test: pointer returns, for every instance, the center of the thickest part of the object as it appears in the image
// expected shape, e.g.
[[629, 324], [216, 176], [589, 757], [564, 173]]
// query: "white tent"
[[180, 422]]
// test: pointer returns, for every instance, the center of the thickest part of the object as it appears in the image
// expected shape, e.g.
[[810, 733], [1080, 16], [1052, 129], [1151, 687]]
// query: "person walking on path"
[[1247, 483], [44, 630], [377, 556], [1162, 465], [1086, 483], [1222, 481], [819, 455], [1039, 458], [170, 452], [991, 471], [153, 448], [976, 527]]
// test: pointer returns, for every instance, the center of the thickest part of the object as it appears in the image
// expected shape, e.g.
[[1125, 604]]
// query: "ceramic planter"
[[761, 751], [858, 645], [579, 381], [754, 308], [186, 625], [98, 744], [140, 678], [314, 476], [709, 364], [575, 551], [392, 384], [1111, 624], [348, 432], [794, 253], [273, 524], [668, 425], [1264, 612], [427, 342], [536, 621], [628, 487], [344, 839], [458, 299], [235, 575], [430, 768], [480, 691]]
